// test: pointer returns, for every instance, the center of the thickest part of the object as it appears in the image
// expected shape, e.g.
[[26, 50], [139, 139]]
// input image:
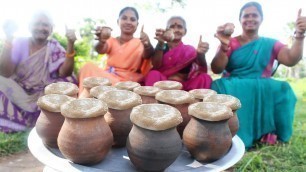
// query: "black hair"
[[251, 4], [129, 8]]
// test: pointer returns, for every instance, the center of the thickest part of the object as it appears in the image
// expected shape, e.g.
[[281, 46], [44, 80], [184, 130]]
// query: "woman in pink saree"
[[27, 66], [179, 62]]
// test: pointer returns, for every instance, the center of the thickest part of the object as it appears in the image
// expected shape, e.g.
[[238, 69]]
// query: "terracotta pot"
[[64, 88], [200, 94], [168, 85], [179, 99], [207, 136], [154, 143], [233, 103], [85, 137], [120, 104], [98, 90], [147, 93], [91, 82], [50, 120], [127, 85]]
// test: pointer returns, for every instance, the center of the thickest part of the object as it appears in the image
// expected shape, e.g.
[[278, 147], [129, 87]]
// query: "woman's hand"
[[103, 33], [203, 47], [159, 35], [144, 38], [70, 35], [9, 28], [300, 24], [224, 33]]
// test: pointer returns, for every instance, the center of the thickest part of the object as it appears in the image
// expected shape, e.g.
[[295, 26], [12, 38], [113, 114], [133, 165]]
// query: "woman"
[[126, 54], [246, 60], [176, 61], [27, 66]]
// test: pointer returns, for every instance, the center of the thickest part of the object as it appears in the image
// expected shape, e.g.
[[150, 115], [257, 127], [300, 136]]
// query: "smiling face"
[[178, 27], [250, 19], [41, 28], [128, 22]]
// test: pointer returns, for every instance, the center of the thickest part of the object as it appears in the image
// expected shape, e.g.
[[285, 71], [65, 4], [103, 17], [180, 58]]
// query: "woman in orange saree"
[[127, 55]]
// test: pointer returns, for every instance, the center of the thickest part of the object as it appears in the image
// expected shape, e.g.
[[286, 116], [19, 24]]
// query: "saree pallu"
[[20, 92], [267, 104], [174, 61], [124, 63]]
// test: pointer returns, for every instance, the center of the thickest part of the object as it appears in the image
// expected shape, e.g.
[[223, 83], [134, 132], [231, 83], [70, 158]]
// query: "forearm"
[[148, 51], [201, 59], [6, 65], [158, 56], [101, 47], [66, 68], [220, 61], [291, 56]]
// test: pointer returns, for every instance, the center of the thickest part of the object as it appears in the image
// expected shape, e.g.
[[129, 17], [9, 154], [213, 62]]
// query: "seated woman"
[[176, 61], [126, 54], [267, 105], [27, 65]]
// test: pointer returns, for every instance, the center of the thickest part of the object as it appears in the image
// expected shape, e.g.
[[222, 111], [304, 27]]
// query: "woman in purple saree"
[[27, 66], [177, 61]]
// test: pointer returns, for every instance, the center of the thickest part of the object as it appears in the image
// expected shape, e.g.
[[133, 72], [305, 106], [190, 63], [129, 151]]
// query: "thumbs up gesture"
[[202, 46], [300, 24], [70, 35], [144, 37]]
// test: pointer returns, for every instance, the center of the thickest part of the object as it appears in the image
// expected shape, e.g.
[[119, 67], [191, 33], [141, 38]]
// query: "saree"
[[124, 63], [20, 92], [174, 61], [267, 104]]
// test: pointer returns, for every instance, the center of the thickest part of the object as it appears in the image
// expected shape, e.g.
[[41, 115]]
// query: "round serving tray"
[[118, 160]]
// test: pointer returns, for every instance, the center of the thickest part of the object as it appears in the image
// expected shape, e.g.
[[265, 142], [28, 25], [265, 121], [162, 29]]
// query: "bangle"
[[160, 47], [299, 35], [70, 55]]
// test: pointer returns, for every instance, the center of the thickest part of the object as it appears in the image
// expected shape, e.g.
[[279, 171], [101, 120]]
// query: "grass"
[[283, 157]]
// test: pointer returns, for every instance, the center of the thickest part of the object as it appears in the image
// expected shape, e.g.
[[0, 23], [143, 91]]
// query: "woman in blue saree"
[[246, 62]]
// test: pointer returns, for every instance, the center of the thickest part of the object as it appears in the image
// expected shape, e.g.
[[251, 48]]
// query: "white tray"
[[118, 160]]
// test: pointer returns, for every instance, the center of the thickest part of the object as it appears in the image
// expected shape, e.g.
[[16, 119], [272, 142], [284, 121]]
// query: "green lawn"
[[283, 157]]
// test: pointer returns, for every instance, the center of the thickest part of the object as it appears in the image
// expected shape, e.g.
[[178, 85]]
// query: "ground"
[[20, 162]]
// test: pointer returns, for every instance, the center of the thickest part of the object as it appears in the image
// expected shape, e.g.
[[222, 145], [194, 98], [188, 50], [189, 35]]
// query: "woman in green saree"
[[246, 62]]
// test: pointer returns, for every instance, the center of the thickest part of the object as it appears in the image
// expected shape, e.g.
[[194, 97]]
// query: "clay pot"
[[91, 82], [147, 93], [120, 104], [233, 103], [64, 88], [98, 90], [85, 137], [127, 85], [207, 136], [179, 99], [154, 143], [200, 94], [50, 120], [168, 85]]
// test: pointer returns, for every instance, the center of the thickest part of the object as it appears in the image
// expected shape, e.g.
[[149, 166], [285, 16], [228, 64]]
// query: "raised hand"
[[203, 47], [9, 28], [224, 33], [300, 24], [103, 33], [70, 35], [144, 37], [159, 35]]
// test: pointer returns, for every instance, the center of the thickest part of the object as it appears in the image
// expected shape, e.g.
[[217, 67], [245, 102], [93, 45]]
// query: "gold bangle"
[[70, 55]]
